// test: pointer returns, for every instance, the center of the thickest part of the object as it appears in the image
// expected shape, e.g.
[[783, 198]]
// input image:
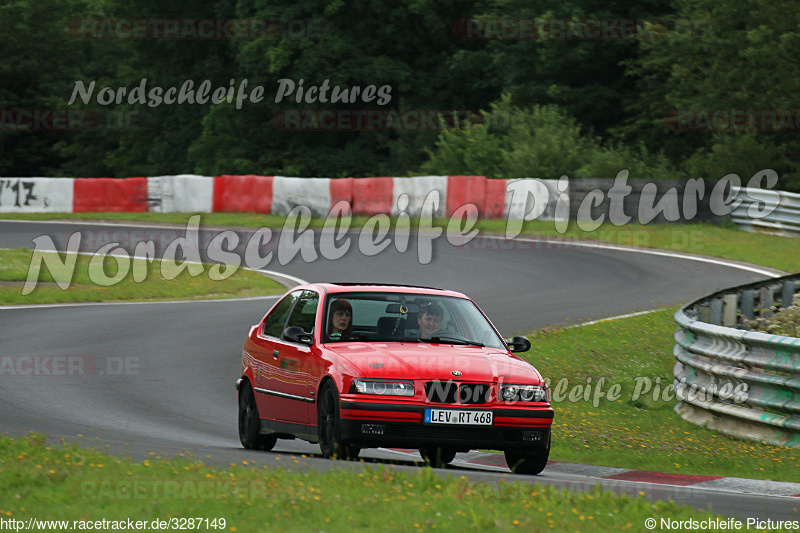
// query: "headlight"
[[385, 388], [524, 393]]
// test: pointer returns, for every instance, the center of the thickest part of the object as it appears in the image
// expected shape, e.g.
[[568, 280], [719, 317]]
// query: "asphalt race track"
[[159, 376]]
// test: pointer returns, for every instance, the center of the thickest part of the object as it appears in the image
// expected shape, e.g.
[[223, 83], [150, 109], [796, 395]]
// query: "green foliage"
[[589, 107], [785, 321], [735, 153], [541, 142], [722, 55], [40, 61], [607, 161]]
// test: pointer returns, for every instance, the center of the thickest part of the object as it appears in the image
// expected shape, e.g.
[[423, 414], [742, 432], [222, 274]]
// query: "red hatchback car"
[[354, 366]]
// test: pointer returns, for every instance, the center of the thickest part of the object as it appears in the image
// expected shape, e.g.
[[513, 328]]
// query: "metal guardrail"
[[783, 208], [739, 382]]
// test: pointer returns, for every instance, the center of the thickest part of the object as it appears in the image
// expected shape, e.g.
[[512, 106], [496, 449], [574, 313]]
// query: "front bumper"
[[369, 425]]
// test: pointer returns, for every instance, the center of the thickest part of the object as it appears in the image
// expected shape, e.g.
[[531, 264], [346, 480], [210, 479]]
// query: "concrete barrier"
[[372, 196], [115, 195], [36, 195], [243, 194], [184, 193], [314, 193], [417, 190]]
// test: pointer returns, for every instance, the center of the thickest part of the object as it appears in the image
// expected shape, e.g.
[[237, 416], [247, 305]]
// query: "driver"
[[340, 324], [429, 319]]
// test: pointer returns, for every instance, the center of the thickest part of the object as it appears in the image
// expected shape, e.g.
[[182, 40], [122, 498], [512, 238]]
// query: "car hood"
[[436, 361]]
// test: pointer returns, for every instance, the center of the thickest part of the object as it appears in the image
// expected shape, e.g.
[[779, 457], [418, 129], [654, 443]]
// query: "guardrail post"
[[729, 311], [767, 301], [787, 294], [748, 303], [716, 312]]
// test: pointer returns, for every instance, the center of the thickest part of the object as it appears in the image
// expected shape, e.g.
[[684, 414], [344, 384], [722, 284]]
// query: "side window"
[[273, 325], [305, 311]]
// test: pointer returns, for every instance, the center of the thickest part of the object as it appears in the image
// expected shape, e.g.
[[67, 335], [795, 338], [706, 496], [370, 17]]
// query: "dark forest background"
[[550, 106]]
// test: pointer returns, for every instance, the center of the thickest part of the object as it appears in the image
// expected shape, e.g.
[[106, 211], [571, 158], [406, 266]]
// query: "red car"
[[354, 366]]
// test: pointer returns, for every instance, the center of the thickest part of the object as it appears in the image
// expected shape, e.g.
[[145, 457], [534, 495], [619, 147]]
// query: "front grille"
[[462, 393], [441, 391], [473, 393]]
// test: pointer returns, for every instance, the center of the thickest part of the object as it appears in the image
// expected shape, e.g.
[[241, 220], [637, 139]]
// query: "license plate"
[[458, 417]]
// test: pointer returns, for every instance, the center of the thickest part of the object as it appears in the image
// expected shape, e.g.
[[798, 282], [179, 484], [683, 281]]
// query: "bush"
[[735, 153], [604, 162], [537, 142], [785, 321]]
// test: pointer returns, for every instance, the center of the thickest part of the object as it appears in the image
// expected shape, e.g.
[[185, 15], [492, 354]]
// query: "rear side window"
[[273, 325], [305, 311]]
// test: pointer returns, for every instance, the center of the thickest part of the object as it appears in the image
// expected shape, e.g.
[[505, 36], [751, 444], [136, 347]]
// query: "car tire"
[[438, 457], [527, 463], [329, 427], [249, 422]]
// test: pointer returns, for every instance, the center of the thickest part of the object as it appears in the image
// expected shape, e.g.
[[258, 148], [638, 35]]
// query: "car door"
[[264, 349], [289, 377]]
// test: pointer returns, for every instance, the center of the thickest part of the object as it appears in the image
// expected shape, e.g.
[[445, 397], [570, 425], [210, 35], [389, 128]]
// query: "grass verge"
[[638, 427], [702, 239], [70, 483], [159, 281]]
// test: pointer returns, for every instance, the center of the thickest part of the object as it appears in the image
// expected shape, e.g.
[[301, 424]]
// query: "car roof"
[[339, 287]]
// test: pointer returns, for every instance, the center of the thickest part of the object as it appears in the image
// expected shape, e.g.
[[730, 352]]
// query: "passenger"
[[429, 319], [340, 323]]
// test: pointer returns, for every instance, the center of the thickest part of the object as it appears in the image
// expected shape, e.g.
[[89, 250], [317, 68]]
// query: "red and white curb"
[[496, 462]]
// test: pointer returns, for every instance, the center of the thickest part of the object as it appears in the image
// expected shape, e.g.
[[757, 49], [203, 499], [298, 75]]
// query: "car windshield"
[[409, 317]]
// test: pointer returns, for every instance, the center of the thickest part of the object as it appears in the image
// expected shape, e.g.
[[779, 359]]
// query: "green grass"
[[773, 251], [638, 431], [65, 482], [15, 264]]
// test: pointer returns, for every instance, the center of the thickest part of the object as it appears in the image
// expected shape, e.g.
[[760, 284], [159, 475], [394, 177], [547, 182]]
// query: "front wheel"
[[329, 426], [250, 424], [530, 463]]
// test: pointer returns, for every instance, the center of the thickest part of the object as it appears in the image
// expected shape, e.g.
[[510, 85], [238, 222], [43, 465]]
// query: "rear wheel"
[[250, 423], [437, 457], [329, 426]]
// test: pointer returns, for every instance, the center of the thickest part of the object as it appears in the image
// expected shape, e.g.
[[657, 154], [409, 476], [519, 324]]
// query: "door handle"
[[275, 353]]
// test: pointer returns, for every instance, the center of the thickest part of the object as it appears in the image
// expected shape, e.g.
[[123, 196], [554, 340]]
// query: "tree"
[[726, 55], [406, 47], [39, 61]]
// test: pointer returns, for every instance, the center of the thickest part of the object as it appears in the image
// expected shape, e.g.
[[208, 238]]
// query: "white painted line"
[[629, 315], [273, 273], [675, 255]]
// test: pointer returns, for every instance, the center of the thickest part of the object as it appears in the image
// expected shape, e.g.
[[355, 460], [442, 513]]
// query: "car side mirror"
[[299, 335], [519, 344]]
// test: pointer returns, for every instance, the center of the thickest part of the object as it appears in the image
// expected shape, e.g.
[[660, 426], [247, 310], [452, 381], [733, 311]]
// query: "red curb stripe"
[[665, 479]]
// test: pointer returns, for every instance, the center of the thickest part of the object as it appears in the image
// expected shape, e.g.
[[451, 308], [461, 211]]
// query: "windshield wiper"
[[452, 340]]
